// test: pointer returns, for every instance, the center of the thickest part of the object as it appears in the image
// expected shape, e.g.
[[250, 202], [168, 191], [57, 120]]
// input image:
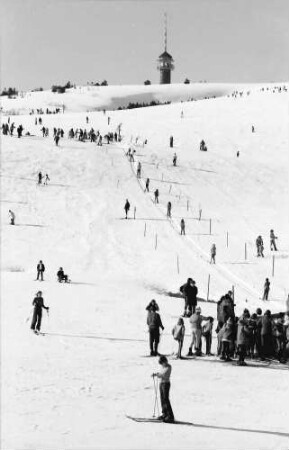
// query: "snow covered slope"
[[93, 98], [73, 387]]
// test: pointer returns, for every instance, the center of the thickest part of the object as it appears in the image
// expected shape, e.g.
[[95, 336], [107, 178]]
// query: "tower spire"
[[166, 31]]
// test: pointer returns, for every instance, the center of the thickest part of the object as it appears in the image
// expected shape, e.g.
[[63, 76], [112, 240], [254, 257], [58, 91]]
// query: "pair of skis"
[[156, 420]]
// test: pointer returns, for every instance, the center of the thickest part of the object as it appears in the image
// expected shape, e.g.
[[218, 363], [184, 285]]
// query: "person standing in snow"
[[272, 241], [138, 173], [11, 217], [40, 176], [126, 208], [40, 270], [147, 188], [196, 324], [154, 323], [178, 333], [46, 179], [266, 289], [171, 141], [165, 385], [190, 292], [183, 227], [213, 254], [169, 210], [56, 139], [260, 246], [38, 304], [156, 193]]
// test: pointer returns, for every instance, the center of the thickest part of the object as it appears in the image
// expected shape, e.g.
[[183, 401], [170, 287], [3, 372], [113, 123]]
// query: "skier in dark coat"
[[38, 304], [169, 210], [164, 375], [272, 241], [266, 289], [40, 270], [40, 176], [126, 208], [190, 292], [266, 335], [154, 323], [147, 188], [183, 227], [156, 196], [152, 303]]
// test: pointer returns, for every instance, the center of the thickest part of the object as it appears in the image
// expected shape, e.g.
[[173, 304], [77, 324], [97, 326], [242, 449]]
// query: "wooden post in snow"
[[245, 251], [178, 264], [156, 242], [227, 239], [210, 226], [134, 212], [188, 205], [208, 290], [170, 189], [273, 265]]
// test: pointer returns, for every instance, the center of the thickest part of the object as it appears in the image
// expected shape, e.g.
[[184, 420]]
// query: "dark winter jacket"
[[266, 325], [40, 267], [38, 303], [228, 332], [154, 320], [190, 292]]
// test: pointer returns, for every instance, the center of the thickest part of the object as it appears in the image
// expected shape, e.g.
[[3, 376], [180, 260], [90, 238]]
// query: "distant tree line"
[[61, 89], [133, 105], [10, 92]]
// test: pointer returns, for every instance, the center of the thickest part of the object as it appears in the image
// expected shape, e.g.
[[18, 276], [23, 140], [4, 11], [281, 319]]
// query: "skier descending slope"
[[165, 385], [126, 208], [38, 304]]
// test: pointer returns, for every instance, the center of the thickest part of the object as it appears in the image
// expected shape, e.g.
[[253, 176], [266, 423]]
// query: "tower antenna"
[[166, 31]]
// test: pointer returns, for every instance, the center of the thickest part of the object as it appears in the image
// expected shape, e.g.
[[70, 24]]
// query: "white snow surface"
[[72, 388]]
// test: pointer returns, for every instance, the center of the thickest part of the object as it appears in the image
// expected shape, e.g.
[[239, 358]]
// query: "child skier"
[[178, 333]]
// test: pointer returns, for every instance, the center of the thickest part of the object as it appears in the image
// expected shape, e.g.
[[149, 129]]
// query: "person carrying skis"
[[165, 385], [126, 208], [169, 210], [183, 227], [266, 289], [156, 196], [272, 240], [11, 217], [154, 323], [38, 304], [40, 270], [213, 254]]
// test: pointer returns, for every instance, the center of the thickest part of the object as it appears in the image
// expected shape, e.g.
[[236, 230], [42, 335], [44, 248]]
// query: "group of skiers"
[[260, 244], [258, 335], [8, 129]]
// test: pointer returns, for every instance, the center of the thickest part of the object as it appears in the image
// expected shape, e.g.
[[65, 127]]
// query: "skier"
[[126, 208], [260, 246], [272, 240], [190, 292], [11, 217], [46, 179], [40, 176], [147, 188], [183, 227], [56, 139], [138, 173], [238, 154], [175, 159], [196, 324], [169, 210], [253, 129], [154, 323], [156, 193], [164, 374], [87, 119], [171, 141], [266, 289], [213, 254], [38, 304], [178, 333], [61, 276], [40, 270]]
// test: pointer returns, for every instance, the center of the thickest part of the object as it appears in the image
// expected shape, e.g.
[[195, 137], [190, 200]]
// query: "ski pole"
[[156, 397]]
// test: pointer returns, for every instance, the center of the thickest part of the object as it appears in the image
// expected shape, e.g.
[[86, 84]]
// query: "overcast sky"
[[46, 42]]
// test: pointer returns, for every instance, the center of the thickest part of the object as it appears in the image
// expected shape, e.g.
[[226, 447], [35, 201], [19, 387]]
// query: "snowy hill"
[[93, 98], [73, 387]]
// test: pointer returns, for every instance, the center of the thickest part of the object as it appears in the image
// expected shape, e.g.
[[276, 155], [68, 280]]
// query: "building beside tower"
[[165, 62]]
